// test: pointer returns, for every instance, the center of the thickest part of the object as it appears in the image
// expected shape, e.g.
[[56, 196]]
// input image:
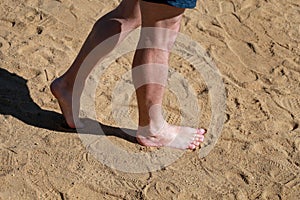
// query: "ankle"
[[62, 82], [153, 128], [157, 127], [153, 119]]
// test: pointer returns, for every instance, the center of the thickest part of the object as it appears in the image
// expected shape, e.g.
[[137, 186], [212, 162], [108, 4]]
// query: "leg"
[[153, 129], [124, 18]]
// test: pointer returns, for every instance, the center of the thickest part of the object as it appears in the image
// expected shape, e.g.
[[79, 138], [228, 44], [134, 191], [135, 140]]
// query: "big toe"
[[201, 131]]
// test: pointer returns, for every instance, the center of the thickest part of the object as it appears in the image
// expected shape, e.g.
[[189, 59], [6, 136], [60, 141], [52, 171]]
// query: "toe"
[[199, 138], [196, 143], [201, 131], [192, 146]]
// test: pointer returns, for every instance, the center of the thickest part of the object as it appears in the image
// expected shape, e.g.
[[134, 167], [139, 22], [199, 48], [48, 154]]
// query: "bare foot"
[[171, 136], [63, 93]]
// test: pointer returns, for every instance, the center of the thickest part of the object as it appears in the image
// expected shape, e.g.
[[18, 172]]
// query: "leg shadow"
[[15, 100]]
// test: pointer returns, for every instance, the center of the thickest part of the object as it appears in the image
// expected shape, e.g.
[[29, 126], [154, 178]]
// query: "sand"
[[253, 43]]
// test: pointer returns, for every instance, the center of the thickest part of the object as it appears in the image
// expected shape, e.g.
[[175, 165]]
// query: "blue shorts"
[[176, 3]]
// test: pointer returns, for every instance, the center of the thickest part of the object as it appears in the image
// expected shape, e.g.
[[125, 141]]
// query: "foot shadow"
[[15, 100]]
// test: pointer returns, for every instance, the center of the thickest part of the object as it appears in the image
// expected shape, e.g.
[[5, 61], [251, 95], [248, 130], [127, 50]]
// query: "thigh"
[[129, 9], [160, 15], [160, 25]]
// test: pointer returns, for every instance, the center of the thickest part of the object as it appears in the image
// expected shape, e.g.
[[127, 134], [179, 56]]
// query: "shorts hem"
[[173, 3]]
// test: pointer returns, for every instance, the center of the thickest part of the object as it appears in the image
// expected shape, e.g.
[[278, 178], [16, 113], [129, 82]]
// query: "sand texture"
[[254, 43]]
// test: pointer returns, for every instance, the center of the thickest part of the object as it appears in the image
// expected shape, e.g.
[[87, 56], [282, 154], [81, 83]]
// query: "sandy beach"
[[255, 44]]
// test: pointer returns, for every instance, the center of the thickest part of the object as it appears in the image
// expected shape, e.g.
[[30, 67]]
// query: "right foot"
[[171, 136], [63, 94]]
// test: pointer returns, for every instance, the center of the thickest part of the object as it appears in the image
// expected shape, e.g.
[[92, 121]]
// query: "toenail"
[[202, 139], [201, 131]]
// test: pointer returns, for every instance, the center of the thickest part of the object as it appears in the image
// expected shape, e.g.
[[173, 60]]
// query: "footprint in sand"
[[4, 44], [292, 104], [11, 160], [162, 190], [37, 177], [226, 7], [297, 143], [272, 191], [6, 162]]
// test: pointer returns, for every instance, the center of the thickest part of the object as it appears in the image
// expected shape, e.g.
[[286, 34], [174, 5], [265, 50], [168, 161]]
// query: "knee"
[[161, 16], [167, 23], [129, 12], [119, 18]]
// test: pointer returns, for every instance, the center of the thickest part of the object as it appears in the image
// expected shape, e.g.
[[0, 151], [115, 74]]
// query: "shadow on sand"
[[15, 100]]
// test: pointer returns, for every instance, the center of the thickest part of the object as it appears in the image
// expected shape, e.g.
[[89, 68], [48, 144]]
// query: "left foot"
[[64, 96]]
